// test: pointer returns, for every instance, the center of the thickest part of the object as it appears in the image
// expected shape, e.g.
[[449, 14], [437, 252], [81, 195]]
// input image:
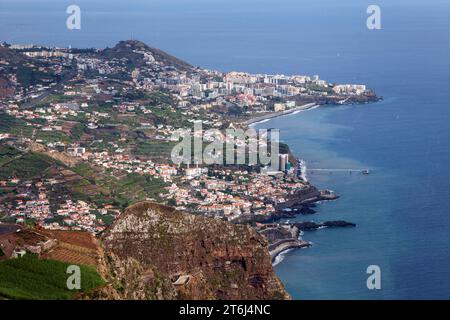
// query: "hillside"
[[156, 252], [133, 50], [11, 57], [7, 58], [17, 71], [150, 252], [41, 272]]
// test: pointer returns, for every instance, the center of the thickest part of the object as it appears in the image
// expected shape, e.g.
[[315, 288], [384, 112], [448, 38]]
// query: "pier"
[[362, 171]]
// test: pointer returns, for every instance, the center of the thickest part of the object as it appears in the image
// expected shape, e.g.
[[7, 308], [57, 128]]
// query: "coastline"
[[271, 115], [282, 238], [281, 247], [284, 246], [261, 119]]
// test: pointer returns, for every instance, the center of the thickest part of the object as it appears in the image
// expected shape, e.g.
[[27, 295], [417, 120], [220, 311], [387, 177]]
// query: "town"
[[86, 132]]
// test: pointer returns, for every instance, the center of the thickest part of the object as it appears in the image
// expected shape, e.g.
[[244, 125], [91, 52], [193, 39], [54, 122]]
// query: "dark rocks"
[[339, 223], [309, 226]]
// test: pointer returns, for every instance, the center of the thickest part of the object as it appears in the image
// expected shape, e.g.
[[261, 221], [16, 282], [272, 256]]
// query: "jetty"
[[362, 171]]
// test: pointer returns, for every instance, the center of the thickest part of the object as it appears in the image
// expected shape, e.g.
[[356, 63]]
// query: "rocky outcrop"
[[281, 238], [301, 202], [307, 226], [156, 252]]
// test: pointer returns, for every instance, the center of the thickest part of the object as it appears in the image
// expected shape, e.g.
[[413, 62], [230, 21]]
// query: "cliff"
[[156, 252]]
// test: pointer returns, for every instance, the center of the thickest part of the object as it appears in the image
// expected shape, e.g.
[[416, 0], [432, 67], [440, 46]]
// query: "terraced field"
[[37, 279], [74, 247]]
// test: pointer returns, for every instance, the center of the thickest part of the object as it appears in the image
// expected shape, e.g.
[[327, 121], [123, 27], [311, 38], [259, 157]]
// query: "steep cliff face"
[[156, 252]]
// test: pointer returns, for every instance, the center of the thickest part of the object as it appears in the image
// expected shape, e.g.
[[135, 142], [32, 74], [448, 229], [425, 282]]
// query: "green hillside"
[[33, 279]]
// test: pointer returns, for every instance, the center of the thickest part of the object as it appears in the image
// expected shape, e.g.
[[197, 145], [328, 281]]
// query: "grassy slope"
[[31, 278], [10, 124], [122, 192], [26, 167]]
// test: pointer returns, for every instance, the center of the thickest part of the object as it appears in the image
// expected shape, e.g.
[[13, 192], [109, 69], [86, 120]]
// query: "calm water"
[[402, 208]]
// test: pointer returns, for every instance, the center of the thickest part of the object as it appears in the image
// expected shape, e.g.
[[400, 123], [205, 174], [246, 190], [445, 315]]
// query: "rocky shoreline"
[[310, 226], [286, 236], [301, 203], [283, 237]]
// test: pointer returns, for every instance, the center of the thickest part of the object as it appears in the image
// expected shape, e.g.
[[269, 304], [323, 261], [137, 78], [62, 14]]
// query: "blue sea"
[[402, 208]]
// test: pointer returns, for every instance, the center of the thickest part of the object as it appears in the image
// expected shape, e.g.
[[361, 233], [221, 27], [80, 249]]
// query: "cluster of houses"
[[227, 193], [233, 193], [35, 203]]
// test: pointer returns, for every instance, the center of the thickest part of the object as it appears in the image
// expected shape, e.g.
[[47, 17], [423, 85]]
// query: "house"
[[279, 107]]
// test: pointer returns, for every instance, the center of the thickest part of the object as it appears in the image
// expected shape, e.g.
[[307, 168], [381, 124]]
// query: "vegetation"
[[4, 192], [84, 170], [7, 153], [52, 136], [77, 131], [57, 98], [29, 76], [107, 219], [141, 187], [317, 88], [28, 166], [31, 278], [155, 149], [120, 192], [10, 124], [168, 116]]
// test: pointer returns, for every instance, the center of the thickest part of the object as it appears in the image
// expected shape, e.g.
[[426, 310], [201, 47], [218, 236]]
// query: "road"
[[66, 77]]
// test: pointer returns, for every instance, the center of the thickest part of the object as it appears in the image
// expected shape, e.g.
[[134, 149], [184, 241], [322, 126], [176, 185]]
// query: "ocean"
[[402, 208]]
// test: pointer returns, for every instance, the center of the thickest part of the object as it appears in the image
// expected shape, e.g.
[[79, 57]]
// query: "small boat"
[[366, 172]]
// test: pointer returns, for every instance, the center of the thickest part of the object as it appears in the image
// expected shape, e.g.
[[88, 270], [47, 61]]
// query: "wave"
[[259, 122], [303, 169], [280, 257]]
